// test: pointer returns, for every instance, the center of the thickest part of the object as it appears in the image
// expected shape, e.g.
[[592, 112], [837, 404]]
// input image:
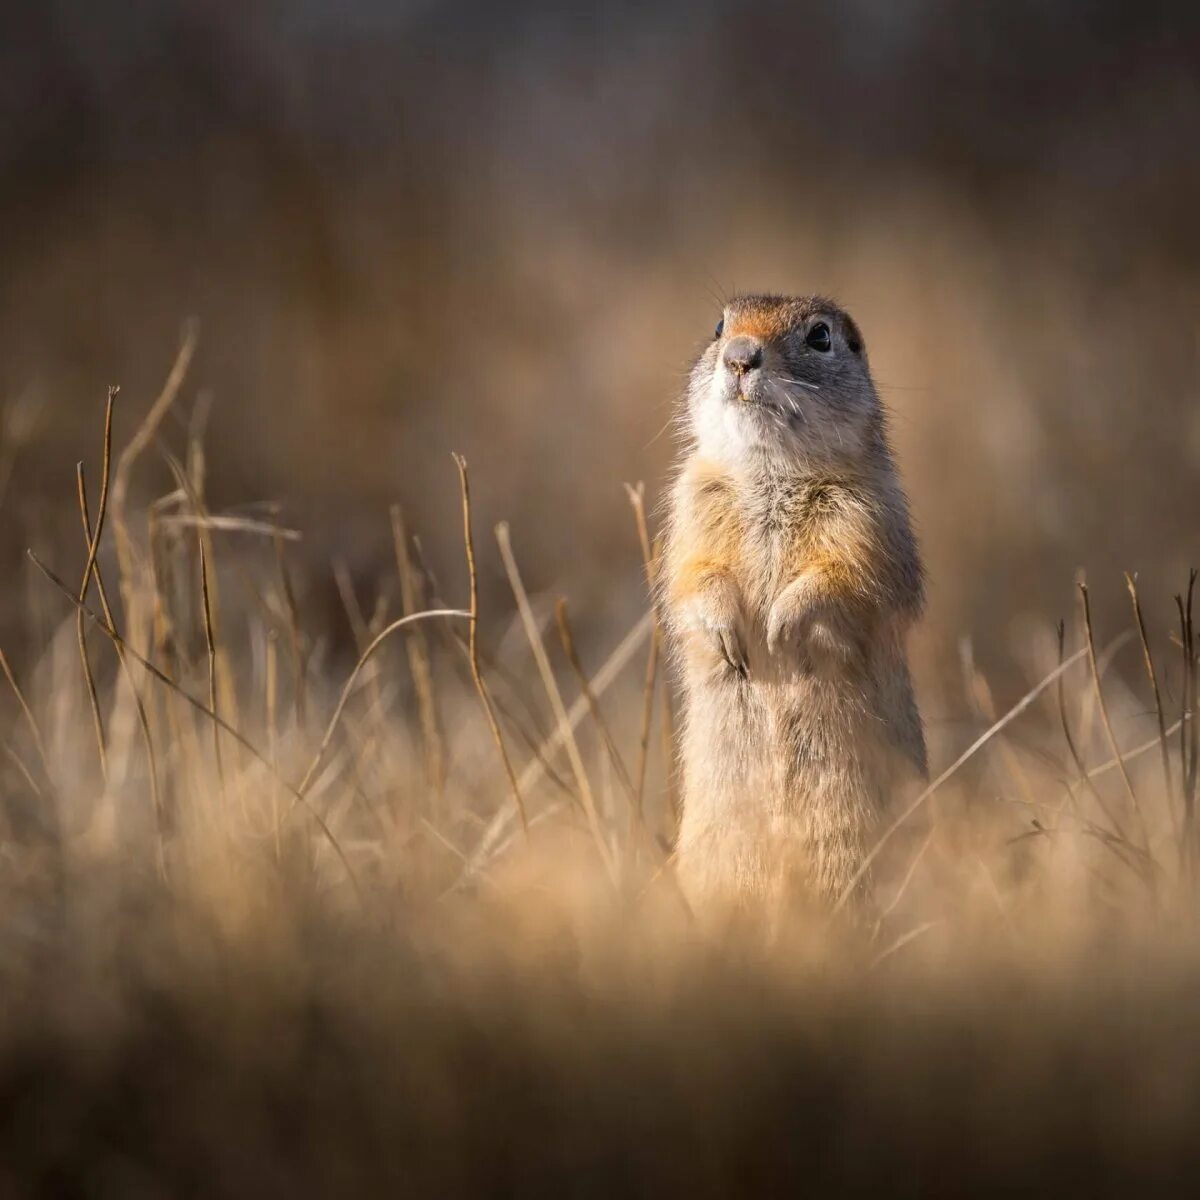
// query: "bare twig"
[[93, 547], [210, 643], [139, 705], [1168, 783], [164, 642], [1187, 740], [89, 679], [473, 644], [1102, 704], [1084, 774], [1194, 736], [136, 447], [272, 703], [208, 588]]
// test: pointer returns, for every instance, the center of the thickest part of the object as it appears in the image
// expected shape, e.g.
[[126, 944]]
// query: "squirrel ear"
[[854, 337]]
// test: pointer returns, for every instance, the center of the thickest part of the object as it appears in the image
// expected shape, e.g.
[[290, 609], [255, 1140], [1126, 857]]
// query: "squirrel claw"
[[733, 652], [780, 630]]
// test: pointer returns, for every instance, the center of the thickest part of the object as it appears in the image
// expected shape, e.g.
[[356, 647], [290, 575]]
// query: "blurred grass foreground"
[[280, 921], [297, 900]]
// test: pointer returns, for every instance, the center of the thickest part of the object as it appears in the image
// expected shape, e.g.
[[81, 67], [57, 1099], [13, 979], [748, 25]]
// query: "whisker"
[[811, 387]]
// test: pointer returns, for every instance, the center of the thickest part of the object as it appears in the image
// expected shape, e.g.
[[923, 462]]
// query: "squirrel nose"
[[743, 354]]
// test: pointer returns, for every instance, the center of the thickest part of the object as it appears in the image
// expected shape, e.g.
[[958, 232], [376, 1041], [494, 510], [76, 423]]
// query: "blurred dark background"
[[504, 229]]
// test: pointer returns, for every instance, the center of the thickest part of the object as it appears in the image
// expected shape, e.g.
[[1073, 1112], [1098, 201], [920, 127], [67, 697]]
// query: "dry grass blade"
[[141, 439], [1137, 751], [902, 941], [649, 556], [272, 703], [27, 713], [354, 614], [585, 688], [1187, 741], [89, 678], [417, 650], [548, 682], [1084, 774], [909, 875], [25, 773], [613, 666], [296, 638], [1168, 783], [361, 631], [139, 705], [969, 753], [649, 683], [93, 547], [202, 708], [206, 606], [1102, 705], [1185, 691], [230, 524], [494, 839], [210, 644], [473, 644], [979, 695], [379, 639], [1194, 733], [534, 738]]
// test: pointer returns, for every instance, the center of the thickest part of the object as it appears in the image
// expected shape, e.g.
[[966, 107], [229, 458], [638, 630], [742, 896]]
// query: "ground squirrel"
[[791, 578]]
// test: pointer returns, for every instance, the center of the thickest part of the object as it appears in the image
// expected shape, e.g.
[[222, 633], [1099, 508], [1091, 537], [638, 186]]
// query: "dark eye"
[[818, 338], [720, 328]]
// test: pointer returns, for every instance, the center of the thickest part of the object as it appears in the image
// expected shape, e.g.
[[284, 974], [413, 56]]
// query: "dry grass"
[[279, 924]]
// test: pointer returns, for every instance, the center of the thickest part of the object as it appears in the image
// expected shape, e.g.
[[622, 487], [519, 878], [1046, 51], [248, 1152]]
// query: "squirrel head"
[[784, 378]]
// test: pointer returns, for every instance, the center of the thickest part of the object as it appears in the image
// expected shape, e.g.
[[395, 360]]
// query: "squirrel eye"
[[720, 328], [818, 338]]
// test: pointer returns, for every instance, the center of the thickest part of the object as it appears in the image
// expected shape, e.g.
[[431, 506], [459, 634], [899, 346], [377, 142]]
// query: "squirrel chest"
[[770, 532]]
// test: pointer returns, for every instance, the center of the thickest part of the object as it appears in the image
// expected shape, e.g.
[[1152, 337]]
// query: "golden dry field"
[[337, 784]]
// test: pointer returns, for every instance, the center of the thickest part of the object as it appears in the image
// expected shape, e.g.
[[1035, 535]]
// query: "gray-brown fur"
[[792, 577]]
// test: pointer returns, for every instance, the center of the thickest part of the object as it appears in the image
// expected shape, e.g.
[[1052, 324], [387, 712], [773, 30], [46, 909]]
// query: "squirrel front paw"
[[728, 640], [717, 618], [812, 626]]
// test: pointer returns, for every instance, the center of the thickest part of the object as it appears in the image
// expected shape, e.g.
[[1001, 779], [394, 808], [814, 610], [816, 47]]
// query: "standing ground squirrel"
[[791, 578]]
